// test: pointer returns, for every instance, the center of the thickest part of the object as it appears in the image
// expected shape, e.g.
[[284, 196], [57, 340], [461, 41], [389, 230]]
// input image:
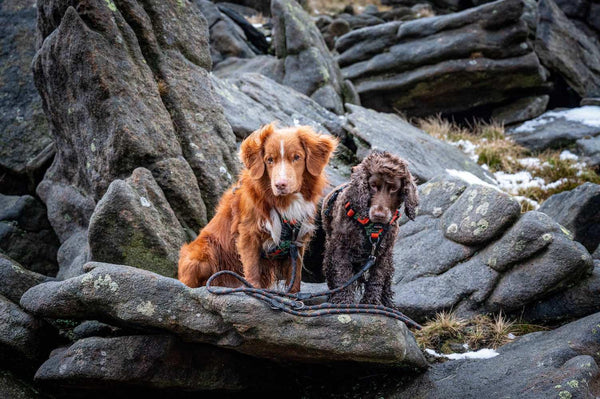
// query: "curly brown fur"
[[378, 186]]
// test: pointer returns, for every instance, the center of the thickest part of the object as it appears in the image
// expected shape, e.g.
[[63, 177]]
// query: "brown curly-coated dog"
[[378, 186]]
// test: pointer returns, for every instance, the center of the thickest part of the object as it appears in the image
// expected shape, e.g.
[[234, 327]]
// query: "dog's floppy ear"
[[411, 195], [252, 150], [318, 149]]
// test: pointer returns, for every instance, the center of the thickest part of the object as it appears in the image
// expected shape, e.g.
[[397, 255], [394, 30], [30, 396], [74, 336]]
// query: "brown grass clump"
[[336, 6], [257, 19], [500, 153], [447, 332]]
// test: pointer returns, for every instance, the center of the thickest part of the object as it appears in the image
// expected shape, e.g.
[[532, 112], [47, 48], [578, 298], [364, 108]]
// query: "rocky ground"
[[119, 126]]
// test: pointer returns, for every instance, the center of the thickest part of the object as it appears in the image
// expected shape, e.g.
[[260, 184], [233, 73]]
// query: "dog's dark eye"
[[270, 160], [373, 186], [296, 157], [393, 189]]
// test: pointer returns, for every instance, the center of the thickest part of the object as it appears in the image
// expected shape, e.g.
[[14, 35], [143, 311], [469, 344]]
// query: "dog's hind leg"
[[195, 262]]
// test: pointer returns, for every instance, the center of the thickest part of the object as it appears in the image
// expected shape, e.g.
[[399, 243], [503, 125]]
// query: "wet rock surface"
[[132, 297], [142, 139], [472, 251], [443, 63], [26, 148]]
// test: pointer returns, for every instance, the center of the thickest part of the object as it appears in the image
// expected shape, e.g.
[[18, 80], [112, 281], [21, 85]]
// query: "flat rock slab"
[[555, 129], [471, 250], [553, 364], [153, 361], [448, 63], [132, 297], [427, 156], [579, 211]]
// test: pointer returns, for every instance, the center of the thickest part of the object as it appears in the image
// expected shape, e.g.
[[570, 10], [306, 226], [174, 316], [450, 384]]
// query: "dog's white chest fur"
[[299, 210]]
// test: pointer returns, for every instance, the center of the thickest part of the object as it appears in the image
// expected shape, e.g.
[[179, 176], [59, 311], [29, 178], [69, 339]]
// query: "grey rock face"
[[480, 214], [23, 338], [448, 63], [556, 129], [138, 94], [427, 155], [566, 50], [128, 296], [227, 39], [579, 300], [521, 110], [559, 363], [133, 224], [16, 279], [307, 63], [156, 361], [579, 211], [25, 140], [26, 235], [264, 101], [472, 251], [590, 149]]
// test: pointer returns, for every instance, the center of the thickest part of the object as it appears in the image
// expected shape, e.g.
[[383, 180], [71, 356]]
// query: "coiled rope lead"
[[294, 303]]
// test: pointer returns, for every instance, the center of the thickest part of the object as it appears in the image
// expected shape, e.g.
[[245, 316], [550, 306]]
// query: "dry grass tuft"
[[446, 332], [257, 19], [501, 154], [336, 6]]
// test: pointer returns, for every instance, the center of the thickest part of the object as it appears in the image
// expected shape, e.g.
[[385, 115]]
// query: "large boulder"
[[308, 65], [426, 155], [137, 298], [155, 362], [16, 279], [26, 235], [568, 51], [228, 38], [24, 339], [126, 85], [579, 211], [479, 57], [471, 250], [552, 364], [264, 101], [302, 60], [134, 225], [26, 148]]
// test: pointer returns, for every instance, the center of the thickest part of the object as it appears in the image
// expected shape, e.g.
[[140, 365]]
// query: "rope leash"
[[294, 303]]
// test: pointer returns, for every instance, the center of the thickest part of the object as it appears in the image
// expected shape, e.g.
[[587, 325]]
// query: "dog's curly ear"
[[411, 195], [252, 150], [318, 147]]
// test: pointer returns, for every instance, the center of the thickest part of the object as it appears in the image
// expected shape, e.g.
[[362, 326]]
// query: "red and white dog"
[[281, 184]]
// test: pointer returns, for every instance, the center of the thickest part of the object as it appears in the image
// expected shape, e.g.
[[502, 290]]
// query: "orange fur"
[[284, 170]]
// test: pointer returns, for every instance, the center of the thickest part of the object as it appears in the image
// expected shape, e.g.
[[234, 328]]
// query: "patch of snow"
[[467, 147], [587, 115], [469, 178], [566, 155], [480, 354], [534, 204], [529, 162], [512, 182]]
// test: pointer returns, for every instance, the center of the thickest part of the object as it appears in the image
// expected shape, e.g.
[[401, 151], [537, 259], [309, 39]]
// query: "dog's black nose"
[[281, 185]]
